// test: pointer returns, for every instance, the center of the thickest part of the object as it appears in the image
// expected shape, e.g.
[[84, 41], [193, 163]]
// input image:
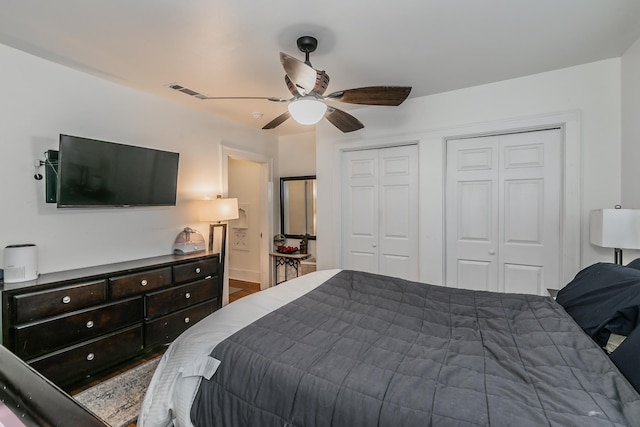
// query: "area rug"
[[117, 400]]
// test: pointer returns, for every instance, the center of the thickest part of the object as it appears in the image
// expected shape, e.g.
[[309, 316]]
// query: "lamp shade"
[[219, 210], [616, 228], [307, 110]]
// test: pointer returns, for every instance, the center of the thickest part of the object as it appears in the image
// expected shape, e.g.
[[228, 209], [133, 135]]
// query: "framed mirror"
[[298, 206]]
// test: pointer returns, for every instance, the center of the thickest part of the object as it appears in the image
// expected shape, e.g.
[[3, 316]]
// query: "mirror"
[[298, 206]]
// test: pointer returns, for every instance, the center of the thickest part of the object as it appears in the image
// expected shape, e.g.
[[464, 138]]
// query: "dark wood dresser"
[[72, 325], [29, 399]]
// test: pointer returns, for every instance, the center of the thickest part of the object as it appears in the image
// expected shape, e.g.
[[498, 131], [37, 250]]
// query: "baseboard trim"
[[244, 275]]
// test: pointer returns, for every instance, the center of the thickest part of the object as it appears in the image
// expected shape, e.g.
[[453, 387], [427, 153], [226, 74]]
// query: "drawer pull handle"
[[90, 324], [90, 357], [198, 270], [144, 282], [187, 320], [66, 299], [187, 295]]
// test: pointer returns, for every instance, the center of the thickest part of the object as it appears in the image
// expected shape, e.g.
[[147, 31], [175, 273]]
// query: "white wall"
[[631, 133], [40, 100], [297, 154], [297, 157], [631, 127], [591, 90]]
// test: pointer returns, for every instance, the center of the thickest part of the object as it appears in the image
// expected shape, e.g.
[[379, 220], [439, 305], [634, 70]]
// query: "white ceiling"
[[230, 47]]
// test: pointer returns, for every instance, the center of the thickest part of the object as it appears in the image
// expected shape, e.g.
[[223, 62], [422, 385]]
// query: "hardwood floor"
[[246, 288]]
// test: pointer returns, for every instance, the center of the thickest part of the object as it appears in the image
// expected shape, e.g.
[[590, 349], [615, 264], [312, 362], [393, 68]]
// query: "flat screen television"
[[93, 173]]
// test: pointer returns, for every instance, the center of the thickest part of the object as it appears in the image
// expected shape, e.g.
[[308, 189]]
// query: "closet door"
[[360, 214], [472, 213], [380, 211], [503, 203]]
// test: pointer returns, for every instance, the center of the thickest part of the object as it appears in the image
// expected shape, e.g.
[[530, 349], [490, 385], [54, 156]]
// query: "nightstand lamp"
[[616, 228]]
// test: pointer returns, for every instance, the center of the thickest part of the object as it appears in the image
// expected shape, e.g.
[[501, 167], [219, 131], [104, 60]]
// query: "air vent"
[[186, 90]]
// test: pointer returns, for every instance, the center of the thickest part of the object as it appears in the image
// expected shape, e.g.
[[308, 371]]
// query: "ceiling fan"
[[308, 85]]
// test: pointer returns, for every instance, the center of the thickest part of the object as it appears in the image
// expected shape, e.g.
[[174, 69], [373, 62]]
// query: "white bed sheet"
[[175, 383]]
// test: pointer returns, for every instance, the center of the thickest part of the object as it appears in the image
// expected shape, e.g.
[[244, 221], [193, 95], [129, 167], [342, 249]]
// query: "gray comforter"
[[368, 350]]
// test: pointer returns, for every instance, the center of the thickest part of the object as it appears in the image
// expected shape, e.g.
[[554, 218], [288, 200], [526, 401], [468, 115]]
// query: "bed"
[[345, 348]]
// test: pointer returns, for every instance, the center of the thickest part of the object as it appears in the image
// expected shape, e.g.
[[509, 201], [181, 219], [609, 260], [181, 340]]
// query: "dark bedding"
[[367, 350], [604, 298]]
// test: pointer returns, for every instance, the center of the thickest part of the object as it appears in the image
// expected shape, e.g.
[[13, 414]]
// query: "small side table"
[[289, 261]]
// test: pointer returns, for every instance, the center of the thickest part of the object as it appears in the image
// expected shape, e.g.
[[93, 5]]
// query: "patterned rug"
[[117, 401]]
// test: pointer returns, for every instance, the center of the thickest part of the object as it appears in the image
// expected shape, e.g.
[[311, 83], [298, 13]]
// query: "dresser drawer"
[[37, 305], [195, 270], [34, 339], [166, 329], [67, 366], [133, 284], [163, 302]]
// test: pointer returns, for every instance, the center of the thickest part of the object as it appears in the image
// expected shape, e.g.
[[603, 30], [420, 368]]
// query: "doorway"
[[244, 233], [259, 212], [504, 198]]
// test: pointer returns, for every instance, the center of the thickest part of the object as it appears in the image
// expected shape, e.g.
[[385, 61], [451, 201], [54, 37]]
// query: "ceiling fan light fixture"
[[307, 111]]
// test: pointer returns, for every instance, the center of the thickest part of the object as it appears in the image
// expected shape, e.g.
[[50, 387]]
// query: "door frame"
[[266, 207], [431, 148], [380, 155], [570, 218], [451, 204]]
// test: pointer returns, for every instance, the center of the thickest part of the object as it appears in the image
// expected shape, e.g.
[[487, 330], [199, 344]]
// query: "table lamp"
[[215, 211], [616, 228]]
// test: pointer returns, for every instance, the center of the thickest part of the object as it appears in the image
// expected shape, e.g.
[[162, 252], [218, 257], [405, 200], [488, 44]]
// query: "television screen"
[[94, 173]]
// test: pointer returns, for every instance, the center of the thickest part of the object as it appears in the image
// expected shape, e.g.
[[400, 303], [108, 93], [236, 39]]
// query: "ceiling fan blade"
[[373, 95], [268, 98], [198, 95], [302, 75], [277, 121], [291, 86], [343, 121], [322, 82]]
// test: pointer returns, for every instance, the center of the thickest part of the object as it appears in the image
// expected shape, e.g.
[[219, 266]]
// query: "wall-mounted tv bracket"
[[50, 164], [38, 164]]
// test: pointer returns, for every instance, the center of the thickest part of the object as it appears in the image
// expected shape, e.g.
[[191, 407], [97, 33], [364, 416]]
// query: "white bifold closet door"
[[380, 211], [503, 210]]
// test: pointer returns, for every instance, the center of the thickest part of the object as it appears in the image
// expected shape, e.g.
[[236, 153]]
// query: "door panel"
[[523, 211], [476, 275], [524, 156], [395, 265], [380, 211], [360, 210], [363, 261], [503, 200], [471, 213], [364, 228], [475, 159], [398, 186], [531, 177], [523, 279], [364, 201], [476, 211], [395, 221]]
